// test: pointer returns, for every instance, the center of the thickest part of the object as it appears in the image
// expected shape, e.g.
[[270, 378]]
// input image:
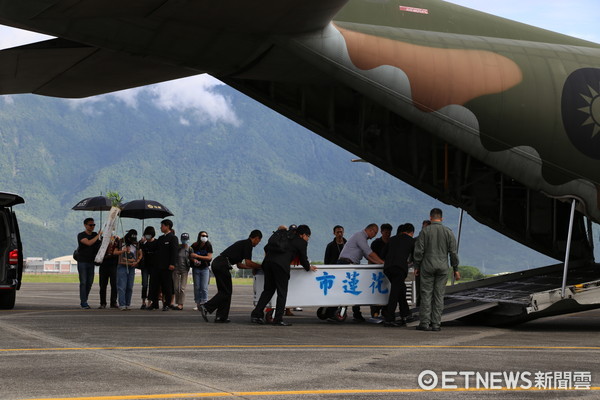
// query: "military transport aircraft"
[[496, 117]]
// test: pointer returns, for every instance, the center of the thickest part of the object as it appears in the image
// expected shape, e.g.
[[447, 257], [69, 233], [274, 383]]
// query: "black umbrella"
[[144, 209], [96, 203]]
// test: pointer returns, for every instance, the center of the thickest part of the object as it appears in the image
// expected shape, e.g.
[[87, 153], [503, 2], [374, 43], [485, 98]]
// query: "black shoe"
[[102, 306], [259, 321], [409, 319], [282, 323], [114, 306], [172, 307], [424, 328], [436, 328], [165, 308], [143, 307], [222, 320], [391, 324], [358, 318], [151, 308], [203, 312]]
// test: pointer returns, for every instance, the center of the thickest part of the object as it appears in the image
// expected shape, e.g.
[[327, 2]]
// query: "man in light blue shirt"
[[355, 249]]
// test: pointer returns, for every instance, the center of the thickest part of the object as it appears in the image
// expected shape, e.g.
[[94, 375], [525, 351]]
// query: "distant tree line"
[[468, 273]]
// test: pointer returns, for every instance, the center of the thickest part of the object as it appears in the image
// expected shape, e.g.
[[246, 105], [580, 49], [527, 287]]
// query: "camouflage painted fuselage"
[[521, 98]]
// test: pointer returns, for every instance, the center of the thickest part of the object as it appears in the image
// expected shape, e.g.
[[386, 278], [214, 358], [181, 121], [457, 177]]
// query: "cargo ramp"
[[525, 295]]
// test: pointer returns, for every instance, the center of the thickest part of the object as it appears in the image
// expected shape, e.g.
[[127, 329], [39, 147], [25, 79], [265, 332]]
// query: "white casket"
[[336, 285]]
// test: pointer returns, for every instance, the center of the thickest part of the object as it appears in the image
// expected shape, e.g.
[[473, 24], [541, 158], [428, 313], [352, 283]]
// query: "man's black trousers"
[[276, 279], [161, 280], [221, 302], [108, 273], [396, 276]]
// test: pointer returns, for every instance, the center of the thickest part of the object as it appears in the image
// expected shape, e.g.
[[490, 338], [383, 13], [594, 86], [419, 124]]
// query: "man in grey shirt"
[[355, 249]]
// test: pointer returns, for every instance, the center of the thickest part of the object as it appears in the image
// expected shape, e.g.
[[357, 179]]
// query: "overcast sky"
[[196, 99], [572, 17]]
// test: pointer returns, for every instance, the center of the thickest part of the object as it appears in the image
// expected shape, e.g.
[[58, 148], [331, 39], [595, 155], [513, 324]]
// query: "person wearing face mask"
[[129, 258], [148, 264], [181, 271], [202, 252]]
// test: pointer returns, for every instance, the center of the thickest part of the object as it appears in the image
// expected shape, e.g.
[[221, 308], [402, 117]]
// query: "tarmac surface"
[[52, 349]]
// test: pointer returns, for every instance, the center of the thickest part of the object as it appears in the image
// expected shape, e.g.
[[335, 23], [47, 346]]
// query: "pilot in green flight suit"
[[432, 248]]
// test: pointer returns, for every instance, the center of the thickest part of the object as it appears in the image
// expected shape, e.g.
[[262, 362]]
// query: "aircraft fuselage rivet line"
[[300, 392]]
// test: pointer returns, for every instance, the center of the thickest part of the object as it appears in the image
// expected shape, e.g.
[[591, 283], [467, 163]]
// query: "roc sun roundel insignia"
[[581, 110]]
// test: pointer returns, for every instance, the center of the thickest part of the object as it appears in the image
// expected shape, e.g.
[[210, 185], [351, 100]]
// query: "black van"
[[11, 250]]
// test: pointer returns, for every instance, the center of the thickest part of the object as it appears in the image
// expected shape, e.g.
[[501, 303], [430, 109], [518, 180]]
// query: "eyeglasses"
[[91, 224], [203, 235]]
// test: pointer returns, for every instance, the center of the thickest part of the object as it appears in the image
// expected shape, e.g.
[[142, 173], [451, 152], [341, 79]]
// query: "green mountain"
[[227, 176]]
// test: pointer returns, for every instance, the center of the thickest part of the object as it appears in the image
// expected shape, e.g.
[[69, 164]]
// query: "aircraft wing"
[[62, 68], [109, 45], [494, 116]]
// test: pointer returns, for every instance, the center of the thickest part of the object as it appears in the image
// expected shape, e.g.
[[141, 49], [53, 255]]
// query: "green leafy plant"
[[115, 198]]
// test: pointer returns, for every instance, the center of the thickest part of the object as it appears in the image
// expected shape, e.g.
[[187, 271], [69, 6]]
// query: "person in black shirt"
[[377, 246], [240, 254], [333, 249], [88, 244], [148, 265], [397, 253], [108, 273], [166, 248], [379, 243], [276, 267]]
